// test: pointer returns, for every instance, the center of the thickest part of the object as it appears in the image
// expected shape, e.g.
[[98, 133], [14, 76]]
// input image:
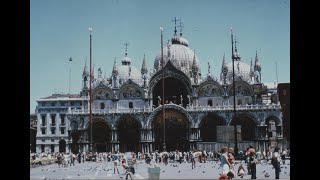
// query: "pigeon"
[[263, 171], [178, 171], [266, 175], [203, 171], [163, 171]]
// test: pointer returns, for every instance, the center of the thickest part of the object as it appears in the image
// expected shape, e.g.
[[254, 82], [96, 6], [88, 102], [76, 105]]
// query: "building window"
[[62, 130], [209, 102], [43, 118], [42, 148], [53, 130], [130, 105], [72, 103], [101, 105], [52, 148], [53, 104], [43, 140], [239, 101], [43, 131], [53, 119], [80, 103], [52, 140], [62, 118], [43, 104], [62, 104]]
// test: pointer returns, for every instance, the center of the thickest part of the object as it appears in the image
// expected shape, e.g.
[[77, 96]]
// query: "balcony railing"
[[189, 109], [230, 107]]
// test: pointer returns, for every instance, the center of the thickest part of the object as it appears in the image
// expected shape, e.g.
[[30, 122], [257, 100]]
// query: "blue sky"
[[59, 30]]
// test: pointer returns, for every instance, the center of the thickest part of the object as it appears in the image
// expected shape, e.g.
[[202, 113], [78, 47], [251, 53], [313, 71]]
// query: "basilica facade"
[[127, 113]]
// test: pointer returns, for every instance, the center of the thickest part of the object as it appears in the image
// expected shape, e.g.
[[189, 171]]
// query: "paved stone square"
[[104, 170]]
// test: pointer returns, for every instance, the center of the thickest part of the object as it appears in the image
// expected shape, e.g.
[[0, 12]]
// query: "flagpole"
[[70, 59], [90, 29], [163, 119]]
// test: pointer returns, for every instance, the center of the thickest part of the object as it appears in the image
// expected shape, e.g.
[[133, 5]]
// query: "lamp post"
[[234, 99]]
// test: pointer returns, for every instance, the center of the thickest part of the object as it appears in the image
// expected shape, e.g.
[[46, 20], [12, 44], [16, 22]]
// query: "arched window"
[[210, 102], [101, 105], [130, 105]]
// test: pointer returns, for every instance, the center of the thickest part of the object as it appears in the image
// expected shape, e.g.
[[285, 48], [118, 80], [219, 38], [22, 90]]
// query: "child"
[[241, 171]]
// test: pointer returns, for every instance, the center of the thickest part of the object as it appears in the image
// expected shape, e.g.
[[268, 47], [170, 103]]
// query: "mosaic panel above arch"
[[209, 89], [102, 93]]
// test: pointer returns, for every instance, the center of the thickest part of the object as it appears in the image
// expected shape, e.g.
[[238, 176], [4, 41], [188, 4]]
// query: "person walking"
[[225, 165], [275, 161], [283, 156], [253, 167]]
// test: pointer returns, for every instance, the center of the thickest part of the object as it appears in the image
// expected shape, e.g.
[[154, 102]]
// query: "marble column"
[[58, 122], [39, 125], [48, 119]]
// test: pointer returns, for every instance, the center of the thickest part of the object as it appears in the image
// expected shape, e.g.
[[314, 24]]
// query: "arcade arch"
[[208, 127], [176, 130], [101, 135], [248, 126], [129, 134]]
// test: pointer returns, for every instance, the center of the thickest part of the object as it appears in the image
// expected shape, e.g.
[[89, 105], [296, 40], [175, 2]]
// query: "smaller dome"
[[184, 41], [126, 60], [175, 40], [125, 70], [241, 70]]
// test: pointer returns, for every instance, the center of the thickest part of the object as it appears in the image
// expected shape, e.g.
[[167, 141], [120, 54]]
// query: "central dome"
[[127, 72], [241, 70], [181, 55]]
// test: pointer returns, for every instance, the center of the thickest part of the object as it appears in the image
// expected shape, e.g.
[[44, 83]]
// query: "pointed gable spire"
[[85, 69], [144, 68], [195, 67], [257, 66], [115, 71], [251, 68], [224, 64]]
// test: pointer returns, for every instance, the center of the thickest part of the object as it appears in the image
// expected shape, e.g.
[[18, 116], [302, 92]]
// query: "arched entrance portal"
[[176, 131], [175, 94], [129, 134], [101, 136], [62, 145], [248, 127], [208, 127]]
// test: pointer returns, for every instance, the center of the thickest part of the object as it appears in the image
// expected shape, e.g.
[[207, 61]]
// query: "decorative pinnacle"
[[181, 26], [126, 44]]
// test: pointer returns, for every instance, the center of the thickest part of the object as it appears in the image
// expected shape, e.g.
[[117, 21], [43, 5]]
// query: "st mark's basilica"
[[127, 107]]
